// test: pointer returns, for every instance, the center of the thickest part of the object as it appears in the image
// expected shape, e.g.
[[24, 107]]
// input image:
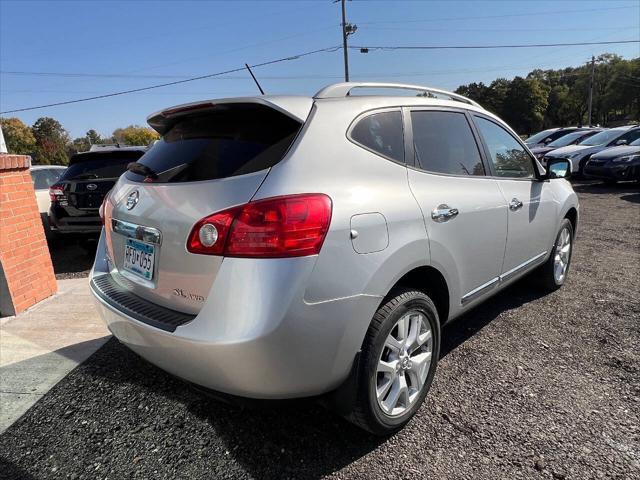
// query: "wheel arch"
[[432, 282]]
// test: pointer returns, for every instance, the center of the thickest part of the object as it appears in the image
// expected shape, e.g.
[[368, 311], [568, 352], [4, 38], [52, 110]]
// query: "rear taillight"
[[289, 226], [55, 192]]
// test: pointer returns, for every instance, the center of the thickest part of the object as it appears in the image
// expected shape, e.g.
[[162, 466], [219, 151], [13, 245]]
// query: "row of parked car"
[[69, 198], [610, 154]]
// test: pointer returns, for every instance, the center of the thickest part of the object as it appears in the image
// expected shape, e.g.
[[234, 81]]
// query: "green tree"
[[51, 142], [135, 135], [94, 137], [18, 136], [527, 103]]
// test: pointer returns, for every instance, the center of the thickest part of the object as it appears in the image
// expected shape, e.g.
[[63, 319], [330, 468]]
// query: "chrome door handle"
[[515, 204], [443, 212]]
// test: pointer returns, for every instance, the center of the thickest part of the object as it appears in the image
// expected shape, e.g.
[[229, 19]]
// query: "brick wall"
[[25, 264]]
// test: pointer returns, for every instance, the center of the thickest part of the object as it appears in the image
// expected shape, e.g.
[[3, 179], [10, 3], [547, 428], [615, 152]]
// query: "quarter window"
[[508, 157], [382, 133], [444, 143]]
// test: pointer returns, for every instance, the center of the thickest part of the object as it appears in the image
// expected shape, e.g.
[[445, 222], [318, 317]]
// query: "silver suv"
[[277, 247]]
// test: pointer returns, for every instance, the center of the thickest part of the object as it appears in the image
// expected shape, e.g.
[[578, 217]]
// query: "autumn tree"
[[135, 135], [51, 142], [18, 136]]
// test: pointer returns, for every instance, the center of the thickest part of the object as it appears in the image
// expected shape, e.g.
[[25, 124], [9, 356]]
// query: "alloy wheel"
[[404, 363]]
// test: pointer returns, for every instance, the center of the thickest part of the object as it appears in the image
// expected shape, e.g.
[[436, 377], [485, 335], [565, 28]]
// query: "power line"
[[465, 47], [509, 15], [177, 82]]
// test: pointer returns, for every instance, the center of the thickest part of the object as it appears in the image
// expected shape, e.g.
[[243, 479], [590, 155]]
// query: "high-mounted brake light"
[[55, 192], [278, 227]]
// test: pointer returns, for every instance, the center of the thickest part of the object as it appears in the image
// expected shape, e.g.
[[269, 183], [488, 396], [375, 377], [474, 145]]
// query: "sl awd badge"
[[132, 199]]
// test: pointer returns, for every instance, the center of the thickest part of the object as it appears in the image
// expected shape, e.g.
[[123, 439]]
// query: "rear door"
[[209, 159], [464, 210], [532, 207]]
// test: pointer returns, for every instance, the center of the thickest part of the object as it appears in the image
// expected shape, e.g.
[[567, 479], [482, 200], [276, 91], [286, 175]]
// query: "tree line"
[[542, 99], [49, 143], [557, 98]]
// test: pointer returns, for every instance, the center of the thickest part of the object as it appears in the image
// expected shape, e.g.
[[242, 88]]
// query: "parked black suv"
[[77, 196]]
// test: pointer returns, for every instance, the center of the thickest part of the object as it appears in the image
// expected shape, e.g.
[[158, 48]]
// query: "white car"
[[43, 177]]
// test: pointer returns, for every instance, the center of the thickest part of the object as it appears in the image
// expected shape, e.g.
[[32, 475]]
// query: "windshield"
[[602, 138], [539, 137], [567, 139], [90, 166]]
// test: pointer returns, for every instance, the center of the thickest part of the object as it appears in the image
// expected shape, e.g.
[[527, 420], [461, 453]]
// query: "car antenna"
[[254, 78]]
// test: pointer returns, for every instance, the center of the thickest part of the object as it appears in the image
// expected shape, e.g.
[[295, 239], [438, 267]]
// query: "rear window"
[[232, 140], [100, 165], [45, 177]]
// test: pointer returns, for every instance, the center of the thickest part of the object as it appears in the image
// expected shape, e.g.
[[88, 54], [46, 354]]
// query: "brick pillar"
[[26, 272]]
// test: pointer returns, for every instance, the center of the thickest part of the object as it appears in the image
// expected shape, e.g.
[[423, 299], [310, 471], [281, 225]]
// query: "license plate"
[[139, 258]]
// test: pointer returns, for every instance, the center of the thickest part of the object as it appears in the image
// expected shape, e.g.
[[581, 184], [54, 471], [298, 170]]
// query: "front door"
[[464, 210], [532, 210]]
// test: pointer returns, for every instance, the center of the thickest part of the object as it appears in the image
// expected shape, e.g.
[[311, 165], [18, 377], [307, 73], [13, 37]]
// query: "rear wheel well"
[[430, 281], [572, 216]]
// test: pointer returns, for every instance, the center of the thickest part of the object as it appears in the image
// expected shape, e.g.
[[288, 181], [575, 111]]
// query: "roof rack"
[[339, 90]]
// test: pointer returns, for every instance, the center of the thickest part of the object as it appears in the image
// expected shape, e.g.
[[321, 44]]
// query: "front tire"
[[553, 273], [398, 362]]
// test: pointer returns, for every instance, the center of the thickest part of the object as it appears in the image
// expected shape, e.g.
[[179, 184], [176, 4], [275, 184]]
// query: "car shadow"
[[633, 198], [72, 255], [279, 439], [10, 471]]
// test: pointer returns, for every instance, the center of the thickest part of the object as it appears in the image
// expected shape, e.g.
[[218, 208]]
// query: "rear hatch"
[[210, 157], [90, 176]]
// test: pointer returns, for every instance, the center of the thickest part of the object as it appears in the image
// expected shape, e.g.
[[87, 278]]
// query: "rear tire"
[[398, 362], [553, 273]]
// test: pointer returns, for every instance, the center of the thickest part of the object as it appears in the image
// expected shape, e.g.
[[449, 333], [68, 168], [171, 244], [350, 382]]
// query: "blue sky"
[[123, 45]]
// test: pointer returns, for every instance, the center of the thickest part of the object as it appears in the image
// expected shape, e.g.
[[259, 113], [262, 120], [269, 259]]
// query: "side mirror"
[[547, 140], [559, 168], [622, 141]]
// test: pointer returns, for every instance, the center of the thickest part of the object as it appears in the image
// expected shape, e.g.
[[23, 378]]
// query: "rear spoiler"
[[297, 108]]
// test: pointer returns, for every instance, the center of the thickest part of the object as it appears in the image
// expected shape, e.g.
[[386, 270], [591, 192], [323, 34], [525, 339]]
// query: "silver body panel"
[[283, 328]]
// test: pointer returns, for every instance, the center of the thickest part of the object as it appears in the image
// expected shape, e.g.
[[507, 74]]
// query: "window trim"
[[414, 163], [374, 111], [537, 174]]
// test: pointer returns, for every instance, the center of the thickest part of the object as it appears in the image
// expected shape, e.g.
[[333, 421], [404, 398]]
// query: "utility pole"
[[593, 75], [347, 29]]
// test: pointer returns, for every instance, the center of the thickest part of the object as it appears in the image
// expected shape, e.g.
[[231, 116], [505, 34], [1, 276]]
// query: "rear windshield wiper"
[[84, 176], [143, 170]]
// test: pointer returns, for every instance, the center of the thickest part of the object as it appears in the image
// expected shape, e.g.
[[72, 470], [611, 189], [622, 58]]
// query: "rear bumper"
[[617, 172], [255, 336]]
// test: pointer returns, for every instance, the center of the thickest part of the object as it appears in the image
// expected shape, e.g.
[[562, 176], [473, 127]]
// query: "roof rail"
[[339, 90]]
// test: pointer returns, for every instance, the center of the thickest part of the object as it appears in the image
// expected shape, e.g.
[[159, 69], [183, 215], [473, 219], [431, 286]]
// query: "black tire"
[[545, 274], [366, 412]]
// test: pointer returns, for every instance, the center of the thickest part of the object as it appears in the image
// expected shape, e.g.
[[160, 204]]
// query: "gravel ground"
[[528, 386]]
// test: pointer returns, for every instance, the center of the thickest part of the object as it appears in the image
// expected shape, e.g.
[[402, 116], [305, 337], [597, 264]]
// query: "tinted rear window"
[[382, 133], [225, 142], [100, 165]]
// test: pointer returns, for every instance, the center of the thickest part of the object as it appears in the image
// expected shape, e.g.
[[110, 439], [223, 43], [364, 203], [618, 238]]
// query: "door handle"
[[515, 204], [443, 213]]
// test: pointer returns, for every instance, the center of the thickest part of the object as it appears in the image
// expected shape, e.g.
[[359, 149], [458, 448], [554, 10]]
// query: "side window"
[[444, 143], [509, 158], [630, 137], [382, 133]]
